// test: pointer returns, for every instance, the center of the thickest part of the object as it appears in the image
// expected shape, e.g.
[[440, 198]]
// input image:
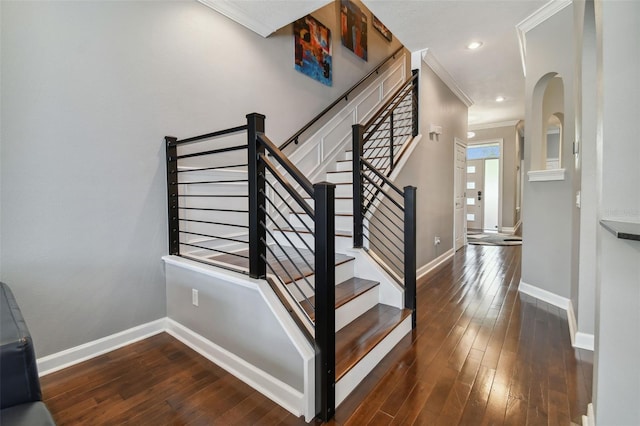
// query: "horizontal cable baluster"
[[381, 176], [293, 281], [392, 221], [303, 276], [287, 186], [214, 223], [381, 252], [382, 190], [211, 168], [288, 205], [235, 240], [216, 250], [212, 152], [213, 181], [306, 316], [212, 209], [286, 237], [212, 196], [385, 236], [284, 233], [212, 135]]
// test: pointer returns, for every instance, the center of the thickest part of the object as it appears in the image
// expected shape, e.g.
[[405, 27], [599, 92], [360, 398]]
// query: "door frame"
[[500, 142], [459, 142]]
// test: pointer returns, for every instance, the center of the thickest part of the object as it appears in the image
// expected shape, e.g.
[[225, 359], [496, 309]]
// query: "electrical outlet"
[[194, 297], [436, 241]]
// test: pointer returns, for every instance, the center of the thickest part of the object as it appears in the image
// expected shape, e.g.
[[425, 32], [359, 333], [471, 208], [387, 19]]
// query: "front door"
[[475, 194]]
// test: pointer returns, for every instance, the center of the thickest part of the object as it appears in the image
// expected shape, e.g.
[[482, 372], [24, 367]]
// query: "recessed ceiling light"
[[470, 135], [474, 45], [500, 99]]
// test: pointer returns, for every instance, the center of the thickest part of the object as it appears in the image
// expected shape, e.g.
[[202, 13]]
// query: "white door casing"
[[460, 202]]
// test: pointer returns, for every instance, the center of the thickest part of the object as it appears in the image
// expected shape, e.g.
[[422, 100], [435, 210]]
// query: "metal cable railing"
[[207, 198], [385, 215]]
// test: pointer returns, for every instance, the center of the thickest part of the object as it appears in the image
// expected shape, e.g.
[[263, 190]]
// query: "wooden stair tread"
[[358, 338], [287, 269], [346, 291]]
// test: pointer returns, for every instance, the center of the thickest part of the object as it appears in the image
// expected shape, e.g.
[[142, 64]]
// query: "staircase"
[[366, 327], [330, 297]]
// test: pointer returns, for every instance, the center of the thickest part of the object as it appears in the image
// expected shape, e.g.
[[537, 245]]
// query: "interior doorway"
[[484, 187]]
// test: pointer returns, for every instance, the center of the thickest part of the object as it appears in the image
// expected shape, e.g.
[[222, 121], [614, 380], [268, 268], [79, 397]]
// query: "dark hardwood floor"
[[482, 354]]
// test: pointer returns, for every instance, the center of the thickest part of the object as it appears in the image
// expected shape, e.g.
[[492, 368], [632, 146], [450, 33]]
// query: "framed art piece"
[[312, 42], [381, 28], [353, 28]]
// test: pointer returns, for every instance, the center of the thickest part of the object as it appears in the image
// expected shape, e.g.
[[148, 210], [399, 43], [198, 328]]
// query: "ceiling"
[[444, 27]]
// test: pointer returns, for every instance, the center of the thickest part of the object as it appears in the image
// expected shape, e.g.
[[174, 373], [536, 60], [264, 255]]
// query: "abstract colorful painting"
[[381, 28], [313, 49], [353, 28]]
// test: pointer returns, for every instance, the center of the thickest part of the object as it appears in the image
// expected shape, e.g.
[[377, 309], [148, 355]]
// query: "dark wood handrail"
[[286, 164], [304, 128]]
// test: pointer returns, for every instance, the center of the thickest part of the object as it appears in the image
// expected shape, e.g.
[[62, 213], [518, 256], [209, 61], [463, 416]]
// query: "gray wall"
[[549, 214], [237, 319], [510, 166], [431, 165], [89, 89], [616, 372]]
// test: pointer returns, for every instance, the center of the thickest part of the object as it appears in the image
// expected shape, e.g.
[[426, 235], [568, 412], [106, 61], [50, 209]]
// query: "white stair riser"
[[343, 190], [348, 312], [343, 205], [344, 223], [344, 166], [344, 271], [348, 155], [349, 381], [340, 177]]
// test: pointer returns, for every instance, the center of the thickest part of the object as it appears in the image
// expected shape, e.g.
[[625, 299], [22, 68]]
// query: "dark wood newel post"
[[256, 173], [172, 194], [410, 251], [325, 320]]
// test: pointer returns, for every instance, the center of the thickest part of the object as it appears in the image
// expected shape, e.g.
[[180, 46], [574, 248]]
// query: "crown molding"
[[532, 21], [429, 58], [233, 12], [510, 123]]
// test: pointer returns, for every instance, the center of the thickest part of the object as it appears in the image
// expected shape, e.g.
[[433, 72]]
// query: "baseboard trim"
[[72, 356], [434, 264], [510, 229], [590, 418], [578, 339], [544, 295], [281, 393]]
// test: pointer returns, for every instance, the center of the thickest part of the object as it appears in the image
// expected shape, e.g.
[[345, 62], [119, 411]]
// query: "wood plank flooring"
[[482, 354]]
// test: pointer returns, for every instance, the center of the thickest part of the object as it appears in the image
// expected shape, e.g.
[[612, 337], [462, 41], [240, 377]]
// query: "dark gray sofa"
[[20, 394]]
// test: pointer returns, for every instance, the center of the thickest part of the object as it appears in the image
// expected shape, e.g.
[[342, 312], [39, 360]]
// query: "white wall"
[[89, 90], [616, 372]]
